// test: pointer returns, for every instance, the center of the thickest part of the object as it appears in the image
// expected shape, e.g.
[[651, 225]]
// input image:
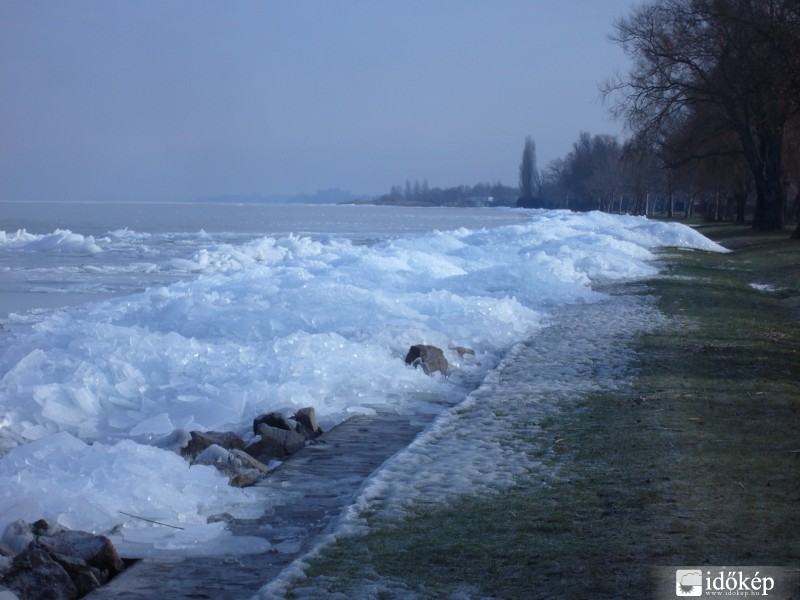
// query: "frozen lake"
[[183, 317], [57, 264]]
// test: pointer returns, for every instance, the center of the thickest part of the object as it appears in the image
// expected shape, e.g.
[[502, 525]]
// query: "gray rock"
[[59, 563], [240, 468], [85, 577], [249, 471], [266, 449], [430, 358], [274, 444], [291, 441], [203, 439], [94, 550], [307, 425], [35, 575], [273, 419]]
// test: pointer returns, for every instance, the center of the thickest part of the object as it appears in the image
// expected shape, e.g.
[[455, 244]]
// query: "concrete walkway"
[[323, 479]]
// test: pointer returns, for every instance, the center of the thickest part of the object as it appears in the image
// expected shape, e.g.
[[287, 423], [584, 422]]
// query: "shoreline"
[[693, 463]]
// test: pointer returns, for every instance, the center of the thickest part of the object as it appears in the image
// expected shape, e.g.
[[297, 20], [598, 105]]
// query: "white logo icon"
[[689, 583]]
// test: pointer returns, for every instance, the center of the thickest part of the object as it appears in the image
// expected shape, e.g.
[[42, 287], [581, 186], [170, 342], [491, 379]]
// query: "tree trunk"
[[741, 203], [770, 195], [689, 206], [796, 234]]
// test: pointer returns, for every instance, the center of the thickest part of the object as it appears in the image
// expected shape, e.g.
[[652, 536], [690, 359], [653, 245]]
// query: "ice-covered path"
[[316, 484], [380, 462], [484, 443]]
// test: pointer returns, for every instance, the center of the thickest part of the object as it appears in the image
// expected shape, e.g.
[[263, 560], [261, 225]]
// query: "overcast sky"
[[176, 99]]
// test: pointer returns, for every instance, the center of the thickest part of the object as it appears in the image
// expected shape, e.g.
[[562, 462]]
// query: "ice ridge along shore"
[[270, 324]]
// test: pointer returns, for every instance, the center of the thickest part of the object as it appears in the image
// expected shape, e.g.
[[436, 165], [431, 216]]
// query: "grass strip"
[[697, 463]]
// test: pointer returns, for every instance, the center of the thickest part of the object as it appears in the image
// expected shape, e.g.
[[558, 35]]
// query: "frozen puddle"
[[381, 462]]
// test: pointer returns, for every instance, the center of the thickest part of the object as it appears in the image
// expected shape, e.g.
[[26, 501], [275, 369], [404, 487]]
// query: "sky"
[[179, 99]]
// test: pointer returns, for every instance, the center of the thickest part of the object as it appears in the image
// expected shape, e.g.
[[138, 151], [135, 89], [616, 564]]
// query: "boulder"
[[273, 419], [203, 439], [35, 575], [290, 441], [85, 577], [240, 468], [274, 443], [59, 563], [430, 358], [267, 449], [307, 425], [94, 550]]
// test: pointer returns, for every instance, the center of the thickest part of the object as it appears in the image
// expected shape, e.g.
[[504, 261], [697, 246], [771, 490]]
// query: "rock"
[[273, 419], [249, 470], [240, 468], [59, 563], [85, 577], [274, 443], [203, 439], [19, 534], [266, 449], [430, 358], [94, 550], [291, 441], [249, 461], [35, 575], [307, 423]]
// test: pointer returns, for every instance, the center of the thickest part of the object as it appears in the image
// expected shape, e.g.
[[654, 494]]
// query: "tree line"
[[712, 104], [421, 194]]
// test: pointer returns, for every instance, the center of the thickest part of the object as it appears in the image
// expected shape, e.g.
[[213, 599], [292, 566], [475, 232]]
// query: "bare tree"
[[734, 61], [591, 172], [642, 171]]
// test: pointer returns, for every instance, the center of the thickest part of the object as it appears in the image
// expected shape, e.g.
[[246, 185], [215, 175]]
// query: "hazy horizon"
[[187, 100]]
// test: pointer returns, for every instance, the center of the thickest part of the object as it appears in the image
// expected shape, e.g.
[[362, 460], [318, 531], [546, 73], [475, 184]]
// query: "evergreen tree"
[[529, 179]]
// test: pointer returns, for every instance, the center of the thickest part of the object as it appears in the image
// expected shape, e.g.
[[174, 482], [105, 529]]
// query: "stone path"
[[323, 479]]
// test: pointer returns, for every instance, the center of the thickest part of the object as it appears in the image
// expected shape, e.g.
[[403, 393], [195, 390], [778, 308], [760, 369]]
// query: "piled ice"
[[60, 241], [146, 499], [275, 324]]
